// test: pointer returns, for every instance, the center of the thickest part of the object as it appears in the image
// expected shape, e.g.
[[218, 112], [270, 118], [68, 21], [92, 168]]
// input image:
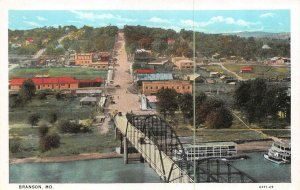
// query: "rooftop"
[[154, 77]]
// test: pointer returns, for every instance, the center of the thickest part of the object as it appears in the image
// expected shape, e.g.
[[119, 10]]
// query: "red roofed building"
[[246, 70], [170, 40], [55, 83], [144, 71]]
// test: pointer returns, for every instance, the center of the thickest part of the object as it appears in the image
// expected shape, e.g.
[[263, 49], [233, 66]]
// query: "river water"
[[114, 171]]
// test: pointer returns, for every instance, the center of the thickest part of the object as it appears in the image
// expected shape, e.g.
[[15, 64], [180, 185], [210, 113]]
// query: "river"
[[114, 171]]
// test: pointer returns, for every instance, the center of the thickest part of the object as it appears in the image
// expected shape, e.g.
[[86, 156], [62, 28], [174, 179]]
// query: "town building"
[[99, 60], [278, 61], [183, 63], [83, 59], [55, 83], [246, 70], [154, 77], [151, 88], [144, 71]]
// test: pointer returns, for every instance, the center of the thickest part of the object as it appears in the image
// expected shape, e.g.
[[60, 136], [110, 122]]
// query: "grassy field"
[[67, 109], [237, 132], [260, 71], [70, 144], [78, 72], [213, 68]]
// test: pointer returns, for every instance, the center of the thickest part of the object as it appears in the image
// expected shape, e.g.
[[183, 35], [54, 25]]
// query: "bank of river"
[[115, 171]]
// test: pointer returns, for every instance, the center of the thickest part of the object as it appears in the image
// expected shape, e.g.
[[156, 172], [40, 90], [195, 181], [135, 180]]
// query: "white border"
[[292, 5]]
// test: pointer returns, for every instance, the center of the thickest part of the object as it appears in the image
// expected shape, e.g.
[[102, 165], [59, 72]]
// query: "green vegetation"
[[68, 108], [89, 39], [65, 126], [80, 73], [69, 144], [33, 119], [206, 44], [48, 140], [27, 91], [85, 39], [259, 101], [260, 71], [167, 102]]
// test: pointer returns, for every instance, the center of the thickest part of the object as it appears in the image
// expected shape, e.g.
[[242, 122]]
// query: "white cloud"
[[266, 15], [218, 19], [31, 23], [74, 21], [41, 18], [92, 16], [158, 20]]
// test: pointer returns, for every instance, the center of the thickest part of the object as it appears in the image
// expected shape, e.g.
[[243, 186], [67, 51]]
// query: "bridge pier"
[[125, 153]]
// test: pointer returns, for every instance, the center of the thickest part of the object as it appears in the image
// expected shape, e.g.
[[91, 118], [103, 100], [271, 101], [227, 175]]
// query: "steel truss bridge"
[[161, 148]]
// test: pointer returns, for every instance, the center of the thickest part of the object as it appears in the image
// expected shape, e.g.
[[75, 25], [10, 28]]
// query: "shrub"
[[42, 96], [52, 116], [15, 145], [43, 130], [33, 119], [49, 141], [72, 127]]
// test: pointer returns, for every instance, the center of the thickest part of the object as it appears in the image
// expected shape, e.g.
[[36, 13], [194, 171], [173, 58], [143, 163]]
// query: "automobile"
[[118, 86]]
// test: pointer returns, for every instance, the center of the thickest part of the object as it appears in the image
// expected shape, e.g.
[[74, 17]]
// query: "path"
[[125, 101], [234, 73]]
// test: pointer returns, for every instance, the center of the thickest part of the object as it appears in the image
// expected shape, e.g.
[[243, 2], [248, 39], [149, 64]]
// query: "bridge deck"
[[164, 166]]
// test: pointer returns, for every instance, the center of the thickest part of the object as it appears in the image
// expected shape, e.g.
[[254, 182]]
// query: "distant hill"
[[258, 34]]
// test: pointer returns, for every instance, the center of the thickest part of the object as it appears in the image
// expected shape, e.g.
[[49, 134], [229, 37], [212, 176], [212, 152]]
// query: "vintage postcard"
[[136, 94]]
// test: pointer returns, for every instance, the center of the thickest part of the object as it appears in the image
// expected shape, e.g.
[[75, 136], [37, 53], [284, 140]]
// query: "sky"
[[208, 21]]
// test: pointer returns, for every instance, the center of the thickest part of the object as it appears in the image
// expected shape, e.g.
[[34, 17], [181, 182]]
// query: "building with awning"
[[88, 101], [88, 92]]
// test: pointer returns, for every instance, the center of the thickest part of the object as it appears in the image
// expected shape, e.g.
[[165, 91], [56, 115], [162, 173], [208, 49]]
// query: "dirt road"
[[125, 101]]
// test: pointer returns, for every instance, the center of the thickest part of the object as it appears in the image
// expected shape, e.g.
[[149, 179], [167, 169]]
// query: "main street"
[[125, 101]]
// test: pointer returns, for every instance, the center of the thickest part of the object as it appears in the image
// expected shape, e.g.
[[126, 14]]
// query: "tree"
[[49, 141], [167, 102], [33, 119], [206, 107], [52, 116], [185, 102], [220, 118], [27, 90], [43, 130]]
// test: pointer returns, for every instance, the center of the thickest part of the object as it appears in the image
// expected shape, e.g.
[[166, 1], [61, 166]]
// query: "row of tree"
[[205, 44], [259, 100], [209, 112]]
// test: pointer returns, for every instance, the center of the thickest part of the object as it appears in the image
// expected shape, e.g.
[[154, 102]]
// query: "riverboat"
[[279, 153]]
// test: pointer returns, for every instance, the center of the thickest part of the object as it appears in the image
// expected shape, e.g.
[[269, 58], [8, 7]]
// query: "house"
[[148, 102], [152, 87], [194, 77], [55, 83], [159, 63], [28, 41], [278, 61], [214, 74], [246, 70], [170, 41], [184, 64]]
